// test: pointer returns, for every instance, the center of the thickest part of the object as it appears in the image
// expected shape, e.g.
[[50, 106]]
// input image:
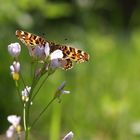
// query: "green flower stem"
[[26, 107], [27, 134], [25, 121], [17, 87], [27, 116], [26, 111], [18, 91], [40, 87], [34, 83], [24, 117], [23, 80], [42, 112]]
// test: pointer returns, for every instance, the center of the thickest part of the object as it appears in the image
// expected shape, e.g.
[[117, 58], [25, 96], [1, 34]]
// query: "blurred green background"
[[105, 92]]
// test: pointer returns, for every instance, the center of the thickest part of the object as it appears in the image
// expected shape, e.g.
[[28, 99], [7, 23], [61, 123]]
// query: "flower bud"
[[25, 94], [14, 49], [15, 68]]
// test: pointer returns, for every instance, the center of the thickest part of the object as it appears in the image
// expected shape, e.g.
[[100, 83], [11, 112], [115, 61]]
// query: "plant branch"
[[42, 112], [40, 87]]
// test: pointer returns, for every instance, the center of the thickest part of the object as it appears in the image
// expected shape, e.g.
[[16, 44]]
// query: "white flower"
[[10, 131], [39, 52], [14, 49], [15, 121], [61, 90], [55, 57], [47, 49], [55, 63], [25, 93], [69, 136], [56, 54], [15, 68]]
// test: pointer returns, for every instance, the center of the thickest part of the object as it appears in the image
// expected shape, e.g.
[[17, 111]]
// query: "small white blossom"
[[15, 68], [14, 120], [69, 136], [61, 90], [39, 52], [15, 125], [56, 54], [55, 63], [10, 131], [14, 49], [55, 57], [47, 49], [25, 93]]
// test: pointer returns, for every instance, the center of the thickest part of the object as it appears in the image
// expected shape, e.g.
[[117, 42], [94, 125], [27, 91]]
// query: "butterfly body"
[[69, 54]]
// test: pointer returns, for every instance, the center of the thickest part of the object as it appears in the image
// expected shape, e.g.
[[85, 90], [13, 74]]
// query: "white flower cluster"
[[41, 53], [55, 57], [25, 93]]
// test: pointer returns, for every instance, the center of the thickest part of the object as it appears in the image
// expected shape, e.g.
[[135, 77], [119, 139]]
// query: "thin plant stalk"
[[40, 87], [17, 87], [41, 113], [24, 117]]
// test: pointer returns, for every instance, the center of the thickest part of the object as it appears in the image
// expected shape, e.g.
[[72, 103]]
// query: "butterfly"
[[70, 54]]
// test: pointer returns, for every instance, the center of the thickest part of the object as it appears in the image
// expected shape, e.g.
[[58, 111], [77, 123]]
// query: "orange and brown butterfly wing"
[[30, 39], [74, 54], [66, 64], [69, 54]]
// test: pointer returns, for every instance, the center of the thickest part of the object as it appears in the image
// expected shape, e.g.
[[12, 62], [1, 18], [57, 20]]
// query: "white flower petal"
[[10, 131], [65, 92], [47, 49], [14, 63], [54, 64], [26, 91], [39, 51], [17, 66], [14, 120], [61, 87], [61, 90], [14, 49], [12, 68], [56, 54], [69, 136]]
